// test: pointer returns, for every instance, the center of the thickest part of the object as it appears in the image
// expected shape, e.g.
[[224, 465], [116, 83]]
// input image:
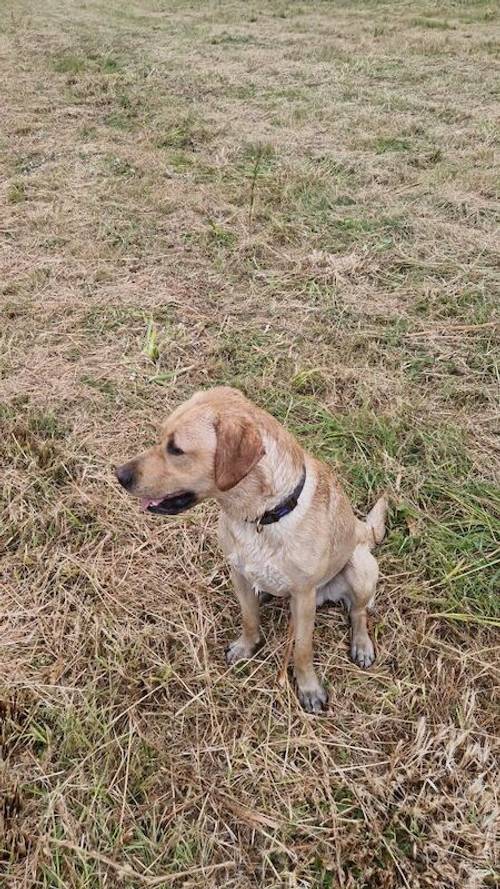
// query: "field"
[[297, 198]]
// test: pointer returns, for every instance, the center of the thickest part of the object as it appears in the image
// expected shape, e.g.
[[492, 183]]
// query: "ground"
[[296, 198]]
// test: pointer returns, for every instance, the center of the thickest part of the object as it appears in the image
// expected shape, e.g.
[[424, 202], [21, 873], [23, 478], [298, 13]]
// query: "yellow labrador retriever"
[[286, 526]]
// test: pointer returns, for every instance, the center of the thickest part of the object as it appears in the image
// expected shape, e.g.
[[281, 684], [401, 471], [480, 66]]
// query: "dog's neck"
[[273, 478]]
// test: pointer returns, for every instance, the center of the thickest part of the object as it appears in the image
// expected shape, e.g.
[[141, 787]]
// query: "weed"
[[16, 193], [151, 348], [220, 236], [259, 154]]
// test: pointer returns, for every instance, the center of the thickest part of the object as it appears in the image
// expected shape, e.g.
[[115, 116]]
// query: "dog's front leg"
[[246, 644], [312, 695]]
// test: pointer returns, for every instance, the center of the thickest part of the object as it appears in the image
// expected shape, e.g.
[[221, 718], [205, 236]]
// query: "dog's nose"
[[125, 475]]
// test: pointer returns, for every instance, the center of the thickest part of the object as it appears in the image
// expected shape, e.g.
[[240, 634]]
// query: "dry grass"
[[297, 198]]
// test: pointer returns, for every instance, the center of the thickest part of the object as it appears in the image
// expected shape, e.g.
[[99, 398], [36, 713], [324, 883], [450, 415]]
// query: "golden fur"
[[219, 444]]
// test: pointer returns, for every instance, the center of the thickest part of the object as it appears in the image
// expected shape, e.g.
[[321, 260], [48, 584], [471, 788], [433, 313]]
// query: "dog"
[[286, 526]]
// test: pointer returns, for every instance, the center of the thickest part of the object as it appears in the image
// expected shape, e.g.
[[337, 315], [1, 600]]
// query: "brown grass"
[[299, 199]]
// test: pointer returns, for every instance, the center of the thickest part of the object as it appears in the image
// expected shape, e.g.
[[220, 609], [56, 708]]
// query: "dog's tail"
[[375, 522]]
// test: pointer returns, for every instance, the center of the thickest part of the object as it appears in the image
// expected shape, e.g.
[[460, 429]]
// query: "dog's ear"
[[239, 448]]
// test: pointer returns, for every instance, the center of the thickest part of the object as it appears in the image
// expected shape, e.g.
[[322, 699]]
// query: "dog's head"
[[208, 445]]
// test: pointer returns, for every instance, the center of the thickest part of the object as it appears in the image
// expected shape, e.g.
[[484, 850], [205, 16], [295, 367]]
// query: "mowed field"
[[296, 198]]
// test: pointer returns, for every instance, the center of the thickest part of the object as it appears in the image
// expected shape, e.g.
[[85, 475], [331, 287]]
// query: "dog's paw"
[[240, 650], [362, 651], [313, 700]]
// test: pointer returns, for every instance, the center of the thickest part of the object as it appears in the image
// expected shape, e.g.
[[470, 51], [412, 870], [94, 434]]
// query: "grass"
[[299, 199]]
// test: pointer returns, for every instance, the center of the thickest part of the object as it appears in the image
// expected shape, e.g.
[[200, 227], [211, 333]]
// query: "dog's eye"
[[173, 449]]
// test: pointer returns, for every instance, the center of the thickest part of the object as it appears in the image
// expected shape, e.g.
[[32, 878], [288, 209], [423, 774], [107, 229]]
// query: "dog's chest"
[[260, 560]]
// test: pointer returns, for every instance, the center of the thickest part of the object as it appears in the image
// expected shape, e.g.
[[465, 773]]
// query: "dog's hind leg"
[[355, 587]]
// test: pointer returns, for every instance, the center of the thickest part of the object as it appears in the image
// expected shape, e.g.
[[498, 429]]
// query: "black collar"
[[284, 508]]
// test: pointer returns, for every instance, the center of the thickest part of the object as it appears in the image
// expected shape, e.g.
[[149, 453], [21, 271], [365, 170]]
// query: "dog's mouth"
[[170, 505]]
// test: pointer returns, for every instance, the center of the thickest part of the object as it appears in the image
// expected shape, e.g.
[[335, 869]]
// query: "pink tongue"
[[145, 502]]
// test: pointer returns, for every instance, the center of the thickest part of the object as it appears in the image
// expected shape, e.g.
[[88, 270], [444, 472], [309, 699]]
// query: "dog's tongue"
[[146, 502]]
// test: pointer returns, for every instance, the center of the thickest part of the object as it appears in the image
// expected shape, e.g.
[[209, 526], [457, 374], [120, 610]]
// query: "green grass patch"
[[75, 63], [260, 154], [68, 63], [184, 132], [118, 119], [244, 358], [181, 161], [232, 40], [105, 387], [471, 305], [29, 162], [16, 193], [108, 320], [433, 24], [118, 166], [220, 236], [391, 143]]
